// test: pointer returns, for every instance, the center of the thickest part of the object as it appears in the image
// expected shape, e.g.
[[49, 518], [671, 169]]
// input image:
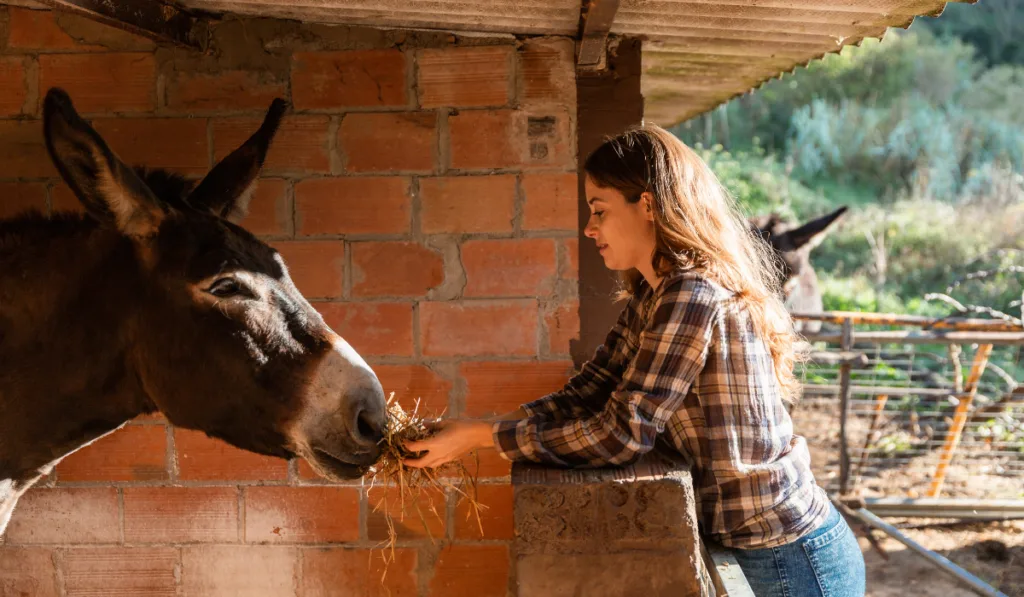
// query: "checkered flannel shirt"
[[684, 359]]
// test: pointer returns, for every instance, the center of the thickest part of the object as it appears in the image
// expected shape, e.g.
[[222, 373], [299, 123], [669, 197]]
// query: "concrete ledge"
[[608, 532]]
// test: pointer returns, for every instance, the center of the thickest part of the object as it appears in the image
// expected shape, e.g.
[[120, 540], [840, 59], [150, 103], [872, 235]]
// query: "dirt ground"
[[993, 551]]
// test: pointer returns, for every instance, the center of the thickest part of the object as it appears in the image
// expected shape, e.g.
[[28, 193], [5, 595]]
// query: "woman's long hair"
[[697, 226]]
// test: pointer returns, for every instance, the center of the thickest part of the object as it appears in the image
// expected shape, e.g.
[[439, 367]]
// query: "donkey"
[[157, 300], [792, 244]]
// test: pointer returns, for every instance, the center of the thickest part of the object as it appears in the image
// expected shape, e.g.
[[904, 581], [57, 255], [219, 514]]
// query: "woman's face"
[[623, 231]]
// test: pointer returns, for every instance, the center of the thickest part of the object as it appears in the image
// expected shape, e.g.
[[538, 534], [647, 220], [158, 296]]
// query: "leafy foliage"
[[921, 134]]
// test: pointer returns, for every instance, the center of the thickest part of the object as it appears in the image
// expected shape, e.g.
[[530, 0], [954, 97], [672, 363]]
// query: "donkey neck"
[[69, 292]]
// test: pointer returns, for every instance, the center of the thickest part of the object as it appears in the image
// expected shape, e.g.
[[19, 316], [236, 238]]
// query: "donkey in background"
[[156, 300], [792, 244]]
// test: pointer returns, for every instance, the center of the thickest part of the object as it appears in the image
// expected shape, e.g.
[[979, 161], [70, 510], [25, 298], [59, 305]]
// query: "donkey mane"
[[34, 226]]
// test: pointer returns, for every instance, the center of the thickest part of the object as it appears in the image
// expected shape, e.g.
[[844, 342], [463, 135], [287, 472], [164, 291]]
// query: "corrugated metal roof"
[[698, 53], [701, 53]]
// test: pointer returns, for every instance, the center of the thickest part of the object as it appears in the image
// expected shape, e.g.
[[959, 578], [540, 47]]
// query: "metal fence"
[[903, 406]]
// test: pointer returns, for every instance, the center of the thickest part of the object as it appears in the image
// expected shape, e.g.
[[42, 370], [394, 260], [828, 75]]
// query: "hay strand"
[[391, 473]]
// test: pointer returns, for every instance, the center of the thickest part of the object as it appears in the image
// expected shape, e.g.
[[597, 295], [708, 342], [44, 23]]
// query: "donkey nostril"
[[368, 430]]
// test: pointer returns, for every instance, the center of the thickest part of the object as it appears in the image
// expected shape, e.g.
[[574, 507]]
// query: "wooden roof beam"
[[596, 18], [149, 18]]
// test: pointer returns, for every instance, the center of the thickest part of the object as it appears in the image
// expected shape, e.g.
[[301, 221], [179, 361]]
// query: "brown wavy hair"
[[697, 226]]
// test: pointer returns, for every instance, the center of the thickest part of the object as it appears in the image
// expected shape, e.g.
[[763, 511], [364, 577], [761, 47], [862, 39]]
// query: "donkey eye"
[[225, 287]]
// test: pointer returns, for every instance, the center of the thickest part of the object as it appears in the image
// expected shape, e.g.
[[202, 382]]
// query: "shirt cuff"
[[504, 433]]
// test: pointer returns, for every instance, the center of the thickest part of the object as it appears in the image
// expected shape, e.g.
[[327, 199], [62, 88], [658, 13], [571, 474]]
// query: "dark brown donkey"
[[158, 301]]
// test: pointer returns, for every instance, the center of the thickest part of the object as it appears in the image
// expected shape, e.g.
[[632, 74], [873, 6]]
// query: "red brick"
[[37, 30], [154, 417], [300, 145], [412, 382], [478, 570], [316, 267], [479, 328], [563, 325], [248, 570], [116, 82], [12, 81], [362, 205], [225, 90], [495, 516], [27, 573], [389, 142], [484, 464], [270, 211], [120, 572], [551, 201], [180, 514], [357, 573], [571, 247], [547, 73], [395, 269], [62, 199], [495, 388], [468, 204], [549, 138], [134, 453], [17, 197], [487, 139], [376, 329], [369, 78], [301, 514], [177, 144], [202, 458], [66, 515], [419, 519], [472, 76], [23, 150], [519, 267]]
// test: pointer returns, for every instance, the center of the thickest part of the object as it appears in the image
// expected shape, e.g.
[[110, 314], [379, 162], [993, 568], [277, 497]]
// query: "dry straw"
[[391, 474]]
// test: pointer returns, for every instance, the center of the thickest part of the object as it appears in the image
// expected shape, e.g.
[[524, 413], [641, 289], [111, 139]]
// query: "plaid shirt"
[[683, 359]]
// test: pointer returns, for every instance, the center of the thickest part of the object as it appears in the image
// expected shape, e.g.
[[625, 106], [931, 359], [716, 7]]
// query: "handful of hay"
[[391, 474]]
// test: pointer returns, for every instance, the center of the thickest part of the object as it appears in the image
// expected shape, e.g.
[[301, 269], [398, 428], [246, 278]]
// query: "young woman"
[[701, 354]]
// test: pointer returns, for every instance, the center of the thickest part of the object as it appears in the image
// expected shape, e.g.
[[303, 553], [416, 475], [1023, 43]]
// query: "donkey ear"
[[812, 233], [109, 189], [228, 187]]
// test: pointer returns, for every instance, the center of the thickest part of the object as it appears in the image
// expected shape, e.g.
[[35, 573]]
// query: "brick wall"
[[423, 191]]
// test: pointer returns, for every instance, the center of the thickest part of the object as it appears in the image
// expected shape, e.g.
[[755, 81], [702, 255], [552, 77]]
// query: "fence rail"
[[916, 411]]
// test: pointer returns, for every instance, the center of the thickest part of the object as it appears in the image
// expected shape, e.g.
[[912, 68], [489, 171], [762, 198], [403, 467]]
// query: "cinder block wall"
[[423, 190]]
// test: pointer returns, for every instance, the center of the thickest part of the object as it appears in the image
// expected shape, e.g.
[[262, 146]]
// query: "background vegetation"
[[922, 135]]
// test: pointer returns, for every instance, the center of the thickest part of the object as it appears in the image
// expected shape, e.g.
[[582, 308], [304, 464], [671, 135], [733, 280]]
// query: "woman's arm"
[[673, 350], [587, 391]]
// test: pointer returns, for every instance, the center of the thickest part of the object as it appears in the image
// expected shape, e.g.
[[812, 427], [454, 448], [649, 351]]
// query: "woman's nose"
[[591, 229]]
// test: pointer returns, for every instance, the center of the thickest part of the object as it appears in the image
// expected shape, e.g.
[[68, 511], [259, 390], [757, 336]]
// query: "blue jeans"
[[826, 562]]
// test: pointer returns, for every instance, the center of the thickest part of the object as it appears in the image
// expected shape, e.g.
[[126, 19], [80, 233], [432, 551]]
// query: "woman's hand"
[[453, 438]]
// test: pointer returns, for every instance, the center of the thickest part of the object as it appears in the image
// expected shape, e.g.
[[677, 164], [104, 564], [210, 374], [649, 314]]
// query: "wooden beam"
[[596, 18], [149, 18]]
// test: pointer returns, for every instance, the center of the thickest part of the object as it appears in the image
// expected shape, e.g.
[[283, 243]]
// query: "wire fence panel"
[[925, 419]]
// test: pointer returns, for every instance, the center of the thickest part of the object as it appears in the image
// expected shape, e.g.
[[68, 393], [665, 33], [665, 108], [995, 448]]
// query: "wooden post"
[[876, 419], [959, 419], [845, 370]]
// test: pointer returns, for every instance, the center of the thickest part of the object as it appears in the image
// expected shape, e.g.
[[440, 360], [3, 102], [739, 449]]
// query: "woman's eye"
[[225, 287], [599, 213]]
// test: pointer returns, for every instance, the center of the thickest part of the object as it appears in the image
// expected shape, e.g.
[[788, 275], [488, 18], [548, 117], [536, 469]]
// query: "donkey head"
[[221, 340], [792, 245]]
